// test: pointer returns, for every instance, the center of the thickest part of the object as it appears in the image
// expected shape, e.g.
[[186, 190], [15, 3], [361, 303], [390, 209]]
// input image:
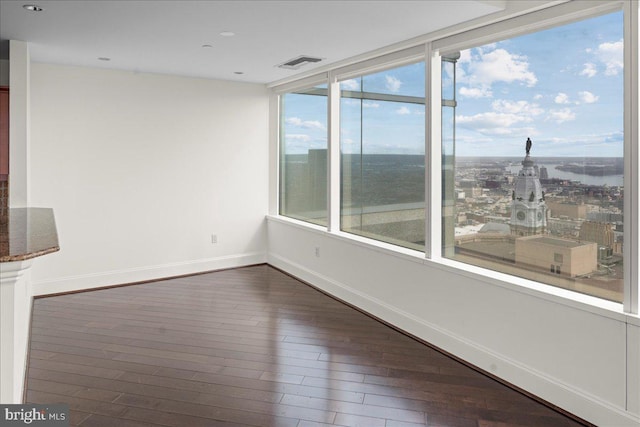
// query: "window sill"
[[386, 248], [598, 306], [578, 301]]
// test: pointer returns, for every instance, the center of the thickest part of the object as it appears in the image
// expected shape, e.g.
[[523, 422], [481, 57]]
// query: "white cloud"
[[557, 140], [447, 79], [294, 121], [497, 124], [537, 97], [480, 68], [313, 124], [350, 101], [498, 65], [561, 98], [393, 84], [489, 47], [474, 139], [297, 137], [507, 118], [370, 105], [351, 84], [490, 119], [589, 70], [587, 97], [611, 54], [611, 140], [307, 124], [523, 108], [465, 56], [561, 116], [403, 111], [475, 92]]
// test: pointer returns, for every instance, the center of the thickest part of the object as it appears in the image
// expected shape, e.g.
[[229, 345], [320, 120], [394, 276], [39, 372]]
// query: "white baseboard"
[[539, 384], [131, 275]]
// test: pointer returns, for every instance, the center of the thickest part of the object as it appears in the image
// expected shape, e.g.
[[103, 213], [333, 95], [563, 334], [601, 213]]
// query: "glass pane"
[[382, 145], [303, 155], [407, 80], [351, 84], [533, 157], [448, 77]]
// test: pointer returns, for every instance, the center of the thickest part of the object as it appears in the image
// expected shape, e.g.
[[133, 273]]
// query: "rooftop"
[[555, 241]]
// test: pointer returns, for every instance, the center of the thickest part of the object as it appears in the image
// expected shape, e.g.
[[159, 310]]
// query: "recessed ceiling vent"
[[296, 63]]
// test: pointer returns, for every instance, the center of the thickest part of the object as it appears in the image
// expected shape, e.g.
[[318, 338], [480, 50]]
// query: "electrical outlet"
[[214, 239], [317, 251]]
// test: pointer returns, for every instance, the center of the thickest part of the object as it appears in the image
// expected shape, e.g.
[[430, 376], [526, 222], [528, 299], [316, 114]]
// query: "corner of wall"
[[19, 122]]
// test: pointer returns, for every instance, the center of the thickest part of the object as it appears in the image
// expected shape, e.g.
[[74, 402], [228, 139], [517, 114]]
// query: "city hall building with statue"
[[524, 242]]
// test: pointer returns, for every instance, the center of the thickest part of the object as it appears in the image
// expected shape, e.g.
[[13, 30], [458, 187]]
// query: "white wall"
[[141, 169], [19, 123], [572, 356]]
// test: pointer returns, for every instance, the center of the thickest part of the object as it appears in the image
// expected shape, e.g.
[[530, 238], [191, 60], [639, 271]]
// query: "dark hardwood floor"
[[250, 346]]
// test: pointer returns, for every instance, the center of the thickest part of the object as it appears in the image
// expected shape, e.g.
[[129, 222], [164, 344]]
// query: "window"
[[303, 155], [532, 146], [532, 142], [382, 123]]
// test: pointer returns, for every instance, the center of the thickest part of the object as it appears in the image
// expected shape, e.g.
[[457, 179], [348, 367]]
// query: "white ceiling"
[[167, 36]]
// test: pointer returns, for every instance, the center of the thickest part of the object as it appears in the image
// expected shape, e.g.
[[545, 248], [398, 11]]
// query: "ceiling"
[[168, 36]]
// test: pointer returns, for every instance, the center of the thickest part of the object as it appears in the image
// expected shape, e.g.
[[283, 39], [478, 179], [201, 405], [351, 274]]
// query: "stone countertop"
[[27, 233]]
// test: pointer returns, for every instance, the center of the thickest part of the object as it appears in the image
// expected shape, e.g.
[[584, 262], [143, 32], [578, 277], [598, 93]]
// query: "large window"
[[531, 139], [382, 123], [533, 156], [303, 155]]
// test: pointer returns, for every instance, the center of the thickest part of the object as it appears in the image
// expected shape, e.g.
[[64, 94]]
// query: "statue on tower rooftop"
[[528, 145]]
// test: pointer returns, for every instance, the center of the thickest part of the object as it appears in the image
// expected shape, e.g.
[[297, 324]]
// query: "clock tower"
[[528, 208]]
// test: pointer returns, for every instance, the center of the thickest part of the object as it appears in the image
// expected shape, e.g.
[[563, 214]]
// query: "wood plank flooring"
[[250, 346]]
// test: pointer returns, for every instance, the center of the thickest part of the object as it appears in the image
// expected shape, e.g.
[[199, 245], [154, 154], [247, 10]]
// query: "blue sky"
[[562, 87]]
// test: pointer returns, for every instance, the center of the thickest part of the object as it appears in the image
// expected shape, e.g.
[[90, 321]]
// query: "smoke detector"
[[300, 61]]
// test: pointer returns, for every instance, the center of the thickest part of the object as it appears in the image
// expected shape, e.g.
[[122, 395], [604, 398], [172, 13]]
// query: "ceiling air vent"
[[294, 64]]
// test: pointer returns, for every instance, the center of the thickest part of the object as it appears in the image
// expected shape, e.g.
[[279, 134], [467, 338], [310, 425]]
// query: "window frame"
[[431, 49], [385, 63], [537, 21], [276, 110]]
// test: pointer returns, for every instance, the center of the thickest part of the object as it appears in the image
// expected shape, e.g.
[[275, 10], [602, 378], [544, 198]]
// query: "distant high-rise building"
[[317, 179], [544, 174], [605, 216], [560, 208], [599, 232]]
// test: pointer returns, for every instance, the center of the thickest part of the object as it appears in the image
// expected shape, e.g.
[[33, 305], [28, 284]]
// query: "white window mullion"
[[433, 154], [333, 196], [631, 117], [274, 154]]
